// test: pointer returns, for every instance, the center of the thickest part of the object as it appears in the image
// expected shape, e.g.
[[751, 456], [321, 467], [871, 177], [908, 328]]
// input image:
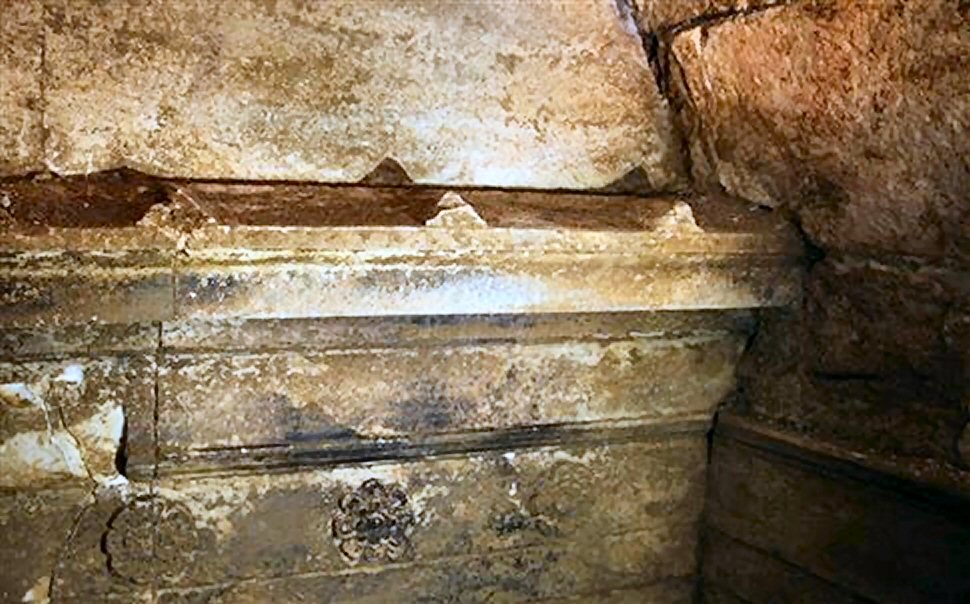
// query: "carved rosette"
[[373, 523], [150, 539]]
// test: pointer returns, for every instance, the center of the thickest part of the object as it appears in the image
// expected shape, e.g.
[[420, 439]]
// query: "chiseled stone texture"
[[21, 118], [857, 114], [483, 93]]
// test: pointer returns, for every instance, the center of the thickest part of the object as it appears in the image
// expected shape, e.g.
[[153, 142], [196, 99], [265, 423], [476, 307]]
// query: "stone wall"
[[852, 118]]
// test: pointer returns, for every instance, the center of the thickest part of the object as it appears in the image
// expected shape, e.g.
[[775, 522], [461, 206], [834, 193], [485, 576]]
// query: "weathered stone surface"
[[534, 523], [331, 397], [883, 318], [85, 570], [73, 340], [34, 528], [21, 102], [529, 524], [240, 253], [64, 287], [872, 363], [478, 94], [855, 114], [274, 525], [343, 333], [875, 540], [64, 420], [539, 258]]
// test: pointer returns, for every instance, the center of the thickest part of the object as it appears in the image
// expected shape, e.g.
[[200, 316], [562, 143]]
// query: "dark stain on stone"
[[510, 523], [430, 408], [310, 424]]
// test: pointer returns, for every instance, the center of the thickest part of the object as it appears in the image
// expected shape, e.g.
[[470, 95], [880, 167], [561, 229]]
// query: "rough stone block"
[[644, 498], [661, 15], [873, 540], [851, 303], [853, 113], [476, 95]]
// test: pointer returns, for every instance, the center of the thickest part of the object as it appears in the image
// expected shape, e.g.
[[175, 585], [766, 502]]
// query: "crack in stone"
[[81, 453], [657, 44], [715, 18], [62, 553], [42, 87]]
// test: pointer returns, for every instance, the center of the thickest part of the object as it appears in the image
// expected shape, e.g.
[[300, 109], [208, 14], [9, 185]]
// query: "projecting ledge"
[[112, 251]]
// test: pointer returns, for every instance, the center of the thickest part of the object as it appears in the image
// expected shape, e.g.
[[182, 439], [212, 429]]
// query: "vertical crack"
[[42, 86], [656, 49], [65, 547], [77, 441]]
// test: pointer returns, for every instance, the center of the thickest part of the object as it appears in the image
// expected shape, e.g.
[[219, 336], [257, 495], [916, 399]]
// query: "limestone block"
[[755, 576], [85, 339], [21, 102], [85, 569], [541, 253], [852, 303], [481, 94], [64, 420], [620, 515], [298, 399], [866, 534], [854, 113], [519, 576]]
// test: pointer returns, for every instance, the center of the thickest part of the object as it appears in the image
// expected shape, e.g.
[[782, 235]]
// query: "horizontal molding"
[[242, 460], [360, 333], [754, 575], [843, 464], [542, 258]]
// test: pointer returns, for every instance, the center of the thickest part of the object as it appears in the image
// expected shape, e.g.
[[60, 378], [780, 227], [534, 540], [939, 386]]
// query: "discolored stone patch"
[[323, 398]]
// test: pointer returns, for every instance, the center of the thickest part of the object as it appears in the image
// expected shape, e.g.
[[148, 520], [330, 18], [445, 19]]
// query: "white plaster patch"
[[72, 374], [19, 394], [26, 455]]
